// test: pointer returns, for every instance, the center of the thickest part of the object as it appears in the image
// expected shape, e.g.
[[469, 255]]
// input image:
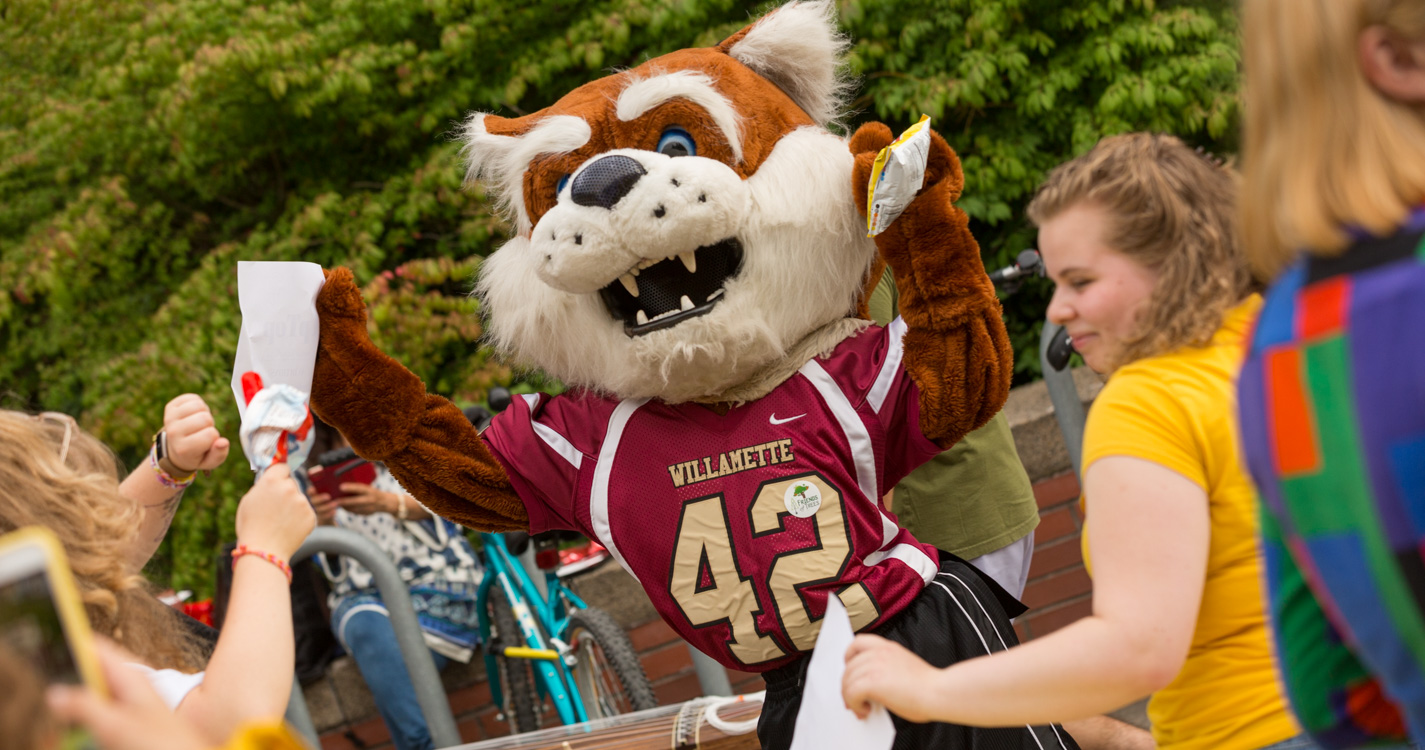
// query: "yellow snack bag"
[[896, 176]]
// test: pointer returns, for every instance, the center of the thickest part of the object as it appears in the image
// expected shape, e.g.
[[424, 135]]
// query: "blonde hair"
[[1172, 211], [78, 499], [1323, 148]]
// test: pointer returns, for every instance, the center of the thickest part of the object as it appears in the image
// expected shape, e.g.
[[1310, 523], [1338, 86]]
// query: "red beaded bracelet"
[[243, 549]]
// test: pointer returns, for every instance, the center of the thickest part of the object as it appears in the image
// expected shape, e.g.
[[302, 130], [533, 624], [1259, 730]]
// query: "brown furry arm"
[[956, 348], [383, 410]]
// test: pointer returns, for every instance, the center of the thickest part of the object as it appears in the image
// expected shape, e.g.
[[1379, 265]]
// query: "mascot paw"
[[344, 349], [340, 297], [869, 139]]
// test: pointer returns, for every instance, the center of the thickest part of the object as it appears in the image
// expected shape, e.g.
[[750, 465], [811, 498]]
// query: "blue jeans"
[[367, 635]]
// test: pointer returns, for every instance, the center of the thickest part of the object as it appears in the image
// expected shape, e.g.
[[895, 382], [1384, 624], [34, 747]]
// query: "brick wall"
[[1058, 591]]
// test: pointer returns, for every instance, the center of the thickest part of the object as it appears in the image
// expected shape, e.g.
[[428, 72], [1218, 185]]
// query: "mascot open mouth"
[[660, 294]]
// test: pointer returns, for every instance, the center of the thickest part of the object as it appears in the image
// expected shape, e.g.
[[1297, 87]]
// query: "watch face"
[[161, 442]]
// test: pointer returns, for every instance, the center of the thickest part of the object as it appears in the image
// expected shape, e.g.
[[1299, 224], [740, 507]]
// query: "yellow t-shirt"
[[1178, 410], [263, 735]]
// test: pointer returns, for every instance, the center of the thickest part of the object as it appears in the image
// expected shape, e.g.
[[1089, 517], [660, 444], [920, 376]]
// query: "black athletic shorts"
[[960, 615]]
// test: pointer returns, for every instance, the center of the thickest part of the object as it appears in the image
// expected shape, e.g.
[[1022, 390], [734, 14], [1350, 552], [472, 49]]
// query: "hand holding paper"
[[824, 720], [882, 674]]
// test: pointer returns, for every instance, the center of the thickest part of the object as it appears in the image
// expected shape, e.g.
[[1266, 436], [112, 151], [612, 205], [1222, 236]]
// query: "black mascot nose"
[[605, 181]]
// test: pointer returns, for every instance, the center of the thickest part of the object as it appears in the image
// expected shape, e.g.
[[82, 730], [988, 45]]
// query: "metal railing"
[[1063, 393]]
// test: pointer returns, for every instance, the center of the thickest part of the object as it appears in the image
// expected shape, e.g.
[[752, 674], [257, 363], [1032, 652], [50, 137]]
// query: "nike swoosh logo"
[[773, 419]]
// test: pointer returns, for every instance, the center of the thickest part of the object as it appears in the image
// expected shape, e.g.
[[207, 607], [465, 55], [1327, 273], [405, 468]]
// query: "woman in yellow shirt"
[[1140, 238]]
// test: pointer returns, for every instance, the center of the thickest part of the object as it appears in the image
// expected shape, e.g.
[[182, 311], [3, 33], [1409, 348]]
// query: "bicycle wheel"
[[516, 676], [606, 669]]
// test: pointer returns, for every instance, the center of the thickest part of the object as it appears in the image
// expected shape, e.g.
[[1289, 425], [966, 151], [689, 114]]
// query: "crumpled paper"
[[276, 426]]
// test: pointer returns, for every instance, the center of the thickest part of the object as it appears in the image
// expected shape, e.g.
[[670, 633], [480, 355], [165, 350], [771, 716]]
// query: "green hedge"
[[145, 147]]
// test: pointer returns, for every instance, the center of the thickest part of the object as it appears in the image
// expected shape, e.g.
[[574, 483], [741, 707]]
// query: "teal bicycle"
[[550, 645]]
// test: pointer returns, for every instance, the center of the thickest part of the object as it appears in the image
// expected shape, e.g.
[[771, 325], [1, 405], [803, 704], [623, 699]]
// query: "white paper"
[[278, 339], [824, 721]]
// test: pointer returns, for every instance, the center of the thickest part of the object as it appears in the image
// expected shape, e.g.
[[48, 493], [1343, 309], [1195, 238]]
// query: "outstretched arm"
[[956, 347], [386, 414], [1148, 530]]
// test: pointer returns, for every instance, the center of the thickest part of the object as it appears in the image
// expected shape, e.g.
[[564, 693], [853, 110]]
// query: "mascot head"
[[681, 225]]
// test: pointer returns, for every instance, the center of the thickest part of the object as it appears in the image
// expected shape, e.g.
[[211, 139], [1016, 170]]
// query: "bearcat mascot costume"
[[690, 259]]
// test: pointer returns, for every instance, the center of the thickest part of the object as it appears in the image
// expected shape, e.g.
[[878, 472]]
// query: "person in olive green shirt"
[[973, 500]]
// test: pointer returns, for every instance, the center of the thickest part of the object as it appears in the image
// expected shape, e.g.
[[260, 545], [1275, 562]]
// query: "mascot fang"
[[690, 259]]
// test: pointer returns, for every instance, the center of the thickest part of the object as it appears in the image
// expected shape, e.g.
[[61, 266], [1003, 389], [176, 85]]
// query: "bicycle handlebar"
[[1027, 263], [1058, 350]]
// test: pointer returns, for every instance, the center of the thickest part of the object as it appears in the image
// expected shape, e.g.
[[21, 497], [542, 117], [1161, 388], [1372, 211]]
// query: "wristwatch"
[[160, 453], [160, 445]]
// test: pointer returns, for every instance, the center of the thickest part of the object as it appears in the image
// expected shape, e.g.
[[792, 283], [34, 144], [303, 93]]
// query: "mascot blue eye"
[[677, 142], [560, 187]]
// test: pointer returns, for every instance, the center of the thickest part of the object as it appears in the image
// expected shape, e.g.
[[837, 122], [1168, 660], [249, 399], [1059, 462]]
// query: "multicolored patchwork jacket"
[[1332, 401]]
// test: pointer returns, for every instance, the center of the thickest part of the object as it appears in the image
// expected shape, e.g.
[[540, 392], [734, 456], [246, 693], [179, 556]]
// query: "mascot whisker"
[[690, 260]]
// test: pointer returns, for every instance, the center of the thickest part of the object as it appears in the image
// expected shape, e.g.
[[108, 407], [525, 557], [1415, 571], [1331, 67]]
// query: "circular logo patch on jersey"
[[802, 499]]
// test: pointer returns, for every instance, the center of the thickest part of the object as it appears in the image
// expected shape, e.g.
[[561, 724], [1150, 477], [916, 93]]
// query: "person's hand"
[[193, 441], [274, 516], [363, 499], [880, 671], [323, 504], [134, 717]]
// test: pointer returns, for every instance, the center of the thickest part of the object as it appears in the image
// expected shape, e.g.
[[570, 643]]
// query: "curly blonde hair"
[[78, 499], [1323, 149], [1173, 211]]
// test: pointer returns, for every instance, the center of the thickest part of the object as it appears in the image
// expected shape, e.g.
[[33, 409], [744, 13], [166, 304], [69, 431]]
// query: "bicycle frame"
[[532, 611]]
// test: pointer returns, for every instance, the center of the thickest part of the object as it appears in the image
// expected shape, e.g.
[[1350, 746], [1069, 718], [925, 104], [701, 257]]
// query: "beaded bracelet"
[[164, 478], [243, 549]]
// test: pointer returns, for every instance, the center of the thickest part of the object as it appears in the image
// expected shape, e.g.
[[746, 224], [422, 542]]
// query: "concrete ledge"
[[1036, 432]]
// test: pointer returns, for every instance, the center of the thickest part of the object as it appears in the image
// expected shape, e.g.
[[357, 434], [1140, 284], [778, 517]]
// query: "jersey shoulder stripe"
[[599, 492], [556, 442], [881, 387], [851, 424]]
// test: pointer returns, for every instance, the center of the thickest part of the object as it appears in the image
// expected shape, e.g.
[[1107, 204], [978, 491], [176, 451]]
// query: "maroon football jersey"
[[740, 525]]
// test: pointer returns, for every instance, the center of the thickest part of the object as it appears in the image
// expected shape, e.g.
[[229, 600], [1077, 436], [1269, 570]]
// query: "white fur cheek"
[[806, 181], [807, 247], [531, 324]]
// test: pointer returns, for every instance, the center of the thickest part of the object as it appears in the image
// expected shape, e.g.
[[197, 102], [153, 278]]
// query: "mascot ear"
[[797, 48], [498, 150]]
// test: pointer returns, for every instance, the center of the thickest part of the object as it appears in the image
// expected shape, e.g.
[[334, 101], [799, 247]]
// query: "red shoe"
[[579, 559]]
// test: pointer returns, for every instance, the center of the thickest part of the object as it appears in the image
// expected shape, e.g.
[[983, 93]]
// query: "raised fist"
[[193, 441]]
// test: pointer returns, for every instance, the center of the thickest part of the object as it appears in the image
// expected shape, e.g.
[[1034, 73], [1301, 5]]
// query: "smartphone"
[[42, 618], [354, 470]]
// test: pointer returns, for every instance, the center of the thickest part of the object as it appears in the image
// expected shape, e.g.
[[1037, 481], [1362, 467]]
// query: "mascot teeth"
[[662, 293]]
